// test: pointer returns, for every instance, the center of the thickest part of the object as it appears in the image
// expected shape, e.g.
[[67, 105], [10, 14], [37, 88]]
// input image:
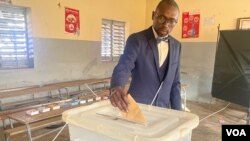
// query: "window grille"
[[113, 39], [16, 47]]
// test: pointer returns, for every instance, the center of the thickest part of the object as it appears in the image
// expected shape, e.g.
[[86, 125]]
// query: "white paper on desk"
[[32, 112], [43, 109]]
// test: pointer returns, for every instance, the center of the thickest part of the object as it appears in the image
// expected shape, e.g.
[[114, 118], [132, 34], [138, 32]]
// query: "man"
[[152, 59]]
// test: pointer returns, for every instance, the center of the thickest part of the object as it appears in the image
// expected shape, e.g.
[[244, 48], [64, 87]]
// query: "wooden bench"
[[40, 124], [29, 102], [24, 105], [100, 95], [104, 82], [4, 114], [8, 93], [37, 123], [34, 126], [31, 123]]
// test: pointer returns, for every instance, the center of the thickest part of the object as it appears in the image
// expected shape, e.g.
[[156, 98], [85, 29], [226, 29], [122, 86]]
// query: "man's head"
[[165, 17]]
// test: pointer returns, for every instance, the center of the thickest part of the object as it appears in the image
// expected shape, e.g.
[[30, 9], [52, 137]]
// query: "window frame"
[[14, 61], [113, 56]]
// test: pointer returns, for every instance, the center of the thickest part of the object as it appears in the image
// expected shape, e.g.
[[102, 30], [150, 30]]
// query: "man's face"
[[164, 19]]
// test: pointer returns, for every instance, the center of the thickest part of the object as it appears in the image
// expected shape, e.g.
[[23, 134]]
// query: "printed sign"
[[72, 21], [190, 25]]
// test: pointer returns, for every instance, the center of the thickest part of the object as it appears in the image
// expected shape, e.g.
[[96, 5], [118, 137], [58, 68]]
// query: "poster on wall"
[[190, 25], [72, 21]]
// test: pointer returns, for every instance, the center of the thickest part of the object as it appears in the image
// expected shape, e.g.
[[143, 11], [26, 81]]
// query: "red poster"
[[72, 21], [190, 25]]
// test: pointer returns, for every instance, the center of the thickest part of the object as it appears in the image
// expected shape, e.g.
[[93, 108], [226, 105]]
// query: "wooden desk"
[[15, 92], [19, 114], [25, 119], [22, 117], [104, 82]]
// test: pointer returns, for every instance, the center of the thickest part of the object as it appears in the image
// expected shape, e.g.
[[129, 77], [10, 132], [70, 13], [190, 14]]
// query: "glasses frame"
[[162, 19]]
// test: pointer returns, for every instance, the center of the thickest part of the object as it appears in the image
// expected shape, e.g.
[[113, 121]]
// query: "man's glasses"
[[162, 19]]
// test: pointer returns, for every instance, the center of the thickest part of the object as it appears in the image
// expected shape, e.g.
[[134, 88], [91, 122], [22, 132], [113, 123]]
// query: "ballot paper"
[[134, 112]]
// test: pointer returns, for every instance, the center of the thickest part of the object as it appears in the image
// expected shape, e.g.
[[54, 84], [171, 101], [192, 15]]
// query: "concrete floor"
[[208, 129]]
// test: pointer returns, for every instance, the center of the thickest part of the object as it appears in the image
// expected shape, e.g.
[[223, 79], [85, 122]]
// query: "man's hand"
[[119, 98]]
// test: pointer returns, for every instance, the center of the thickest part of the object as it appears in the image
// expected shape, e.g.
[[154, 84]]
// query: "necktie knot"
[[160, 39]]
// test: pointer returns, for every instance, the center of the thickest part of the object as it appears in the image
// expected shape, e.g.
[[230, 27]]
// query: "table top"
[[24, 118]]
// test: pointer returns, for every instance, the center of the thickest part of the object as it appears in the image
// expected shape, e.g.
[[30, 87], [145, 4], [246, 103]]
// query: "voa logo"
[[236, 132]]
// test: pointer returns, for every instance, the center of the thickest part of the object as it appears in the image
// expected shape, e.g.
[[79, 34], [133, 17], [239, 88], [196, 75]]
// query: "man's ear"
[[153, 14]]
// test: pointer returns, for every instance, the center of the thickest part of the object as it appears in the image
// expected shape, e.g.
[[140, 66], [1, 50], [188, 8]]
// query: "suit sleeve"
[[175, 97], [126, 64]]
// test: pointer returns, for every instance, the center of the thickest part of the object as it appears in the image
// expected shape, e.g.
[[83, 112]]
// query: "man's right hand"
[[118, 98]]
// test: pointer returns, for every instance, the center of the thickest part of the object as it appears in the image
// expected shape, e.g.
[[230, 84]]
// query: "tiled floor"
[[208, 130]]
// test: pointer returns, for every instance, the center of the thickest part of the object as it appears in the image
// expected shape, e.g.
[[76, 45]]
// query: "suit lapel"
[[153, 47]]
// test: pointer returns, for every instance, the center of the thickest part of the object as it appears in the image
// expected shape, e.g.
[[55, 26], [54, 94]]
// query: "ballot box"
[[101, 122]]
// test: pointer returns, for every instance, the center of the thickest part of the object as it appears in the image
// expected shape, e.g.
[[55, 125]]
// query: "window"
[[16, 50], [113, 39]]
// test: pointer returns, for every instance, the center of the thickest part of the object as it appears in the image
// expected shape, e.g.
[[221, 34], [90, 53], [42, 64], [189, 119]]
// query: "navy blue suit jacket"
[[140, 61]]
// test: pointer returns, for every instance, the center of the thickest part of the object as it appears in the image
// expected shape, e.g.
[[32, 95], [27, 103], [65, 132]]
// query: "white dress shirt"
[[162, 49]]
